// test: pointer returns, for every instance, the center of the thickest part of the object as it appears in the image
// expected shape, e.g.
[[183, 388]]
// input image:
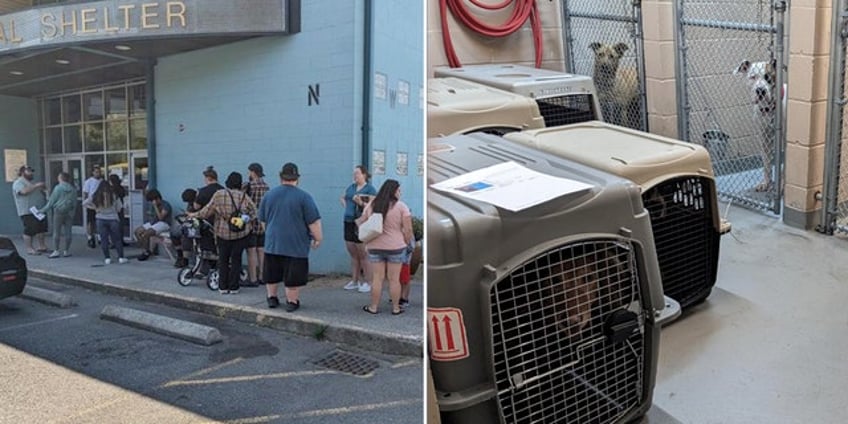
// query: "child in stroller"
[[204, 253]]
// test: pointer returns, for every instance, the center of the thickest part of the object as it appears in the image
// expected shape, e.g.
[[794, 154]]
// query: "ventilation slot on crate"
[[564, 110]]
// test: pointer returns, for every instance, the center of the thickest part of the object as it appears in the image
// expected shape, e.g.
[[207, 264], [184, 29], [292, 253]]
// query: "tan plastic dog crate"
[[678, 189], [562, 98], [457, 106]]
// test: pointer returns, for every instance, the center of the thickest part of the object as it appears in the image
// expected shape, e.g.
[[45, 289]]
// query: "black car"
[[13, 269]]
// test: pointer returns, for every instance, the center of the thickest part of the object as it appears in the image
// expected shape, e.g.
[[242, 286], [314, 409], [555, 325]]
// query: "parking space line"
[[243, 378], [32, 324], [205, 371], [326, 412]]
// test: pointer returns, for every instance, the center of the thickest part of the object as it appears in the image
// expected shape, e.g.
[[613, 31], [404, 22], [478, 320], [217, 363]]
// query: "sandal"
[[397, 312], [367, 308]]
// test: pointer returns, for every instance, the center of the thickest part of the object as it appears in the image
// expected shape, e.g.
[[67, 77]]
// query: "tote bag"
[[371, 228]]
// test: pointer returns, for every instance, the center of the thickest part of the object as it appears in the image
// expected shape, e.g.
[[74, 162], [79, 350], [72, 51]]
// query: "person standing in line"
[[387, 252], [63, 203], [88, 188], [204, 195], [228, 205], [256, 188], [28, 194], [292, 227], [121, 194], [107, 209], [354, 199]]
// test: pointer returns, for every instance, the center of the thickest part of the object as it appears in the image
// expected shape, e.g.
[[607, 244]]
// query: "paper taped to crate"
[[510, 186]]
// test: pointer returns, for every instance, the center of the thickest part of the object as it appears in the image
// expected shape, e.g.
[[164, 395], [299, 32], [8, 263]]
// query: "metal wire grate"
[[685, 237], [564, 110], [604, 41], [555, 357], [348, 363]]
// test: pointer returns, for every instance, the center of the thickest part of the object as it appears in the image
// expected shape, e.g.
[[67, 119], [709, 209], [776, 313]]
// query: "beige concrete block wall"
[[515, 48], [8, 6], [660, 88], [809, 48]]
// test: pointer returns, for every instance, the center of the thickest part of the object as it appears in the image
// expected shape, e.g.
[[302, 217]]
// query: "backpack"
[[236, 223]]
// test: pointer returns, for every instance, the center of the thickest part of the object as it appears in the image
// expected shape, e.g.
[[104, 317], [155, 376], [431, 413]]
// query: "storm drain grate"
[[348, 363]]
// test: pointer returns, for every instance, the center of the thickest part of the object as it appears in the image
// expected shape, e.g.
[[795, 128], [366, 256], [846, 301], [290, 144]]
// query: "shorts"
[[351, 232], [390, 256], [292, 272], [256, 240], [33, 226], [405, 278], [159, 226]]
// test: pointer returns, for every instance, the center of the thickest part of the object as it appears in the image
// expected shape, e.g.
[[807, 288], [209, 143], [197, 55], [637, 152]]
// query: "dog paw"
[[764, 186]]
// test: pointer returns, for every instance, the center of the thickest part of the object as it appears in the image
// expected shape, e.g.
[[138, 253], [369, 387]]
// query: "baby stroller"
[[203, 248]]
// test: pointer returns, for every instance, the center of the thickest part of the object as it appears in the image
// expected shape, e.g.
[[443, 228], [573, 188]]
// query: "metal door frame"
[[836, 96], [636, 34], [778, 53]]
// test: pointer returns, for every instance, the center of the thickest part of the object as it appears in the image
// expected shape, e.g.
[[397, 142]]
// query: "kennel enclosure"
[[547, 314], [562, 98], [457, 106], [678, 189]]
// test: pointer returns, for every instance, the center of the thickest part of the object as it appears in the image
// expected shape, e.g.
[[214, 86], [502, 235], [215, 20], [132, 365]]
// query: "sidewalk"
[[328, 312]]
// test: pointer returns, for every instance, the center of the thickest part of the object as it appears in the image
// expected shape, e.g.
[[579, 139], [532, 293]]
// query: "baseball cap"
[[289, 172], [257, 168], [24, 168]]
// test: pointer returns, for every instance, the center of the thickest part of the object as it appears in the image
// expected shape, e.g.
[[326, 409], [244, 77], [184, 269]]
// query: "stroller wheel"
[[212, 279], [184, 276], [243, 276]]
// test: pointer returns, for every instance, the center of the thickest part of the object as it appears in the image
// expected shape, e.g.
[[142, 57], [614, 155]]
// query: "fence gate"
[[835, 210], [603, 38], [730, 83]]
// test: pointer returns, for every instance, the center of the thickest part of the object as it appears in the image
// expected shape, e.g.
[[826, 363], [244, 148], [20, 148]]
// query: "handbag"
[[371, 228]]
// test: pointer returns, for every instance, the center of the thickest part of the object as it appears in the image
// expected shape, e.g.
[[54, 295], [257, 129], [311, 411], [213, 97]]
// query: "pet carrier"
[[544, 315], [678, 188], [456, 106], [562, 98]]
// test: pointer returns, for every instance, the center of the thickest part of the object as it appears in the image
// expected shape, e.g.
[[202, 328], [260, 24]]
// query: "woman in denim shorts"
[[387, 252]]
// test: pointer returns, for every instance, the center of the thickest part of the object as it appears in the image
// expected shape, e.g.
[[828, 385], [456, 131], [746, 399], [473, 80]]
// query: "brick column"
[[658, 28], [809, 49]]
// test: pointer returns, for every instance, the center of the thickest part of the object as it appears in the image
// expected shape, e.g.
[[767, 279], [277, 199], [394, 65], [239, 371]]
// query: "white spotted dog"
[[762, 81]]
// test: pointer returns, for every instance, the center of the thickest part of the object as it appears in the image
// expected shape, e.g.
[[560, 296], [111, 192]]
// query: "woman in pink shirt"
[[387, 252]]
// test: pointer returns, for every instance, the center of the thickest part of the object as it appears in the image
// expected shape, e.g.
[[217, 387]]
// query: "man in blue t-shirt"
[[292, 226]]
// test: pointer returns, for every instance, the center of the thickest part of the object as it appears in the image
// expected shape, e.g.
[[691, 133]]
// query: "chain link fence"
[[604, 40], [731, 93], [835, 211]]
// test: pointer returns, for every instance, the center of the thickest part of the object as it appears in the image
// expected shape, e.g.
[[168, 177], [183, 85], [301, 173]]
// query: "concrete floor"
[[770, 345]]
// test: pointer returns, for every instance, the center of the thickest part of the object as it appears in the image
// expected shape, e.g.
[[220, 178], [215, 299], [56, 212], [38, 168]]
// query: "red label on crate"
[[446, 330]]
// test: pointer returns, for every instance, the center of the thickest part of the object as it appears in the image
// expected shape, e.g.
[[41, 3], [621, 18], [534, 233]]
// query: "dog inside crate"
[[554, 315]]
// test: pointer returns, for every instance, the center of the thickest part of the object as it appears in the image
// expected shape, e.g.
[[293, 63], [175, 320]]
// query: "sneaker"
[[91, 243], [292, 306], [143, 256], [223, 292], [260, 282], [181, 263], [352, 285], [273, 302], [107, 261], [65, 254], [250, 284], [403, 303], [122, 260], [234, 291], [364, 288], [54, 255]]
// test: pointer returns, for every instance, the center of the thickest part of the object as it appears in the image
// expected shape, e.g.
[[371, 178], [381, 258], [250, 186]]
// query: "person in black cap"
[[256, 188], [28, 194], [292, 226]]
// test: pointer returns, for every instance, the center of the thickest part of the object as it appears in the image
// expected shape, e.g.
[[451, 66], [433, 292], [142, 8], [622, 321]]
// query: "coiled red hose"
[[522, 10]]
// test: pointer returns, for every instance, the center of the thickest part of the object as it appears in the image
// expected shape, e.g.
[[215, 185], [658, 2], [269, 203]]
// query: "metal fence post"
[[835, 104], [680, 72], [639, 36], [779, 124]]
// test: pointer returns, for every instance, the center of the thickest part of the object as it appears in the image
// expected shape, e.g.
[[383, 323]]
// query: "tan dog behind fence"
[[618, 87]]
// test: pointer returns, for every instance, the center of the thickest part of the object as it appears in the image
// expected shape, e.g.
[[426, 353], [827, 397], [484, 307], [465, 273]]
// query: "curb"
[[48, 297], [389, 343], [185, 330]]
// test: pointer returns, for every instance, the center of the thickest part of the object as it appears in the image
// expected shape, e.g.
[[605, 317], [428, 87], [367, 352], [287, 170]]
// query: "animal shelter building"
[[156, 91]]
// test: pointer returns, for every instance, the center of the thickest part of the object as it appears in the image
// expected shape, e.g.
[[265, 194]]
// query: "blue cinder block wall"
[[398, 46], [246, 102], [18, 130]]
